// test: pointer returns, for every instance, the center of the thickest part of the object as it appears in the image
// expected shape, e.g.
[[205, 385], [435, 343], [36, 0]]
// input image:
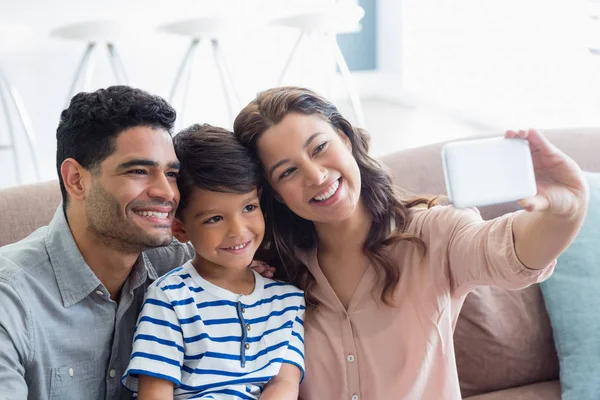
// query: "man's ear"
[[73, 176], [179, 231]]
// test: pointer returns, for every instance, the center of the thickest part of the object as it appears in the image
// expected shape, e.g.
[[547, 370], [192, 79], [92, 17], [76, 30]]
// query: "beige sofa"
[[503, 340]]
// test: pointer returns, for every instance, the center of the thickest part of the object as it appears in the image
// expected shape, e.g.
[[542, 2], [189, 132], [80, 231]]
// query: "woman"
[[385, 278]]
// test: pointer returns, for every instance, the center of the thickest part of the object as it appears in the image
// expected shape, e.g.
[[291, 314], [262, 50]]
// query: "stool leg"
[[9, 124], [290, 57], [117, 65], [185, 67], [81, 69], [348, 82], [225, 77]]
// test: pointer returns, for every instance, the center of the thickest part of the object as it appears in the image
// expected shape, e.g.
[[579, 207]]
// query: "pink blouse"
[[375, 352]]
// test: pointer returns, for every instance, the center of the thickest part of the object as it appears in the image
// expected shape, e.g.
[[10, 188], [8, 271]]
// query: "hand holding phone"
[[488, 171]]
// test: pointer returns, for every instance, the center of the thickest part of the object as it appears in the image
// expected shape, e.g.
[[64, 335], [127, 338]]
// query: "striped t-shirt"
[[212, 343]]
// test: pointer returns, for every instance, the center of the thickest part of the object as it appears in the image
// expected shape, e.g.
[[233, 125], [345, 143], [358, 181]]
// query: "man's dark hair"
[[89, 127], [212, 159]]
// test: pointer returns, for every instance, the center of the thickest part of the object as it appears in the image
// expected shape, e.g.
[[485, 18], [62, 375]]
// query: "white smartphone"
[[489, 171]]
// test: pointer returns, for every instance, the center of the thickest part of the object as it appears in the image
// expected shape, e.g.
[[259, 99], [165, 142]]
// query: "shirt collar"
[[75, 278]]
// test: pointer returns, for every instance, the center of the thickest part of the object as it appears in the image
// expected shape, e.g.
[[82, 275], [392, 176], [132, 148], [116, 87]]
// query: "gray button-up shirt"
[[61, 336]]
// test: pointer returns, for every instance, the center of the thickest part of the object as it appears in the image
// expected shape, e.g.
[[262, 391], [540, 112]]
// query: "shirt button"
[[99, 293], [350, 358], [344, 315], [112, 373], [71, 372], [248, 327], [247, 346], [354, 397], [243, 309]]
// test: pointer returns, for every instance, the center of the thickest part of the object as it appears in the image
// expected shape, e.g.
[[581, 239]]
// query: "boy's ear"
[[179, 231]]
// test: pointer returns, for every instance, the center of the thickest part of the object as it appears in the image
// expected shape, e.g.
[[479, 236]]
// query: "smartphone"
[[488, 171]]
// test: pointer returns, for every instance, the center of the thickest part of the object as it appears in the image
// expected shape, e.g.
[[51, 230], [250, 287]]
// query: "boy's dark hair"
[[212, 159], [90, 125]]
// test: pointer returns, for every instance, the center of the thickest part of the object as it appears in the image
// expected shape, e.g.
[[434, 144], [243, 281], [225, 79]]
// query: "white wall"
[[41, 67]]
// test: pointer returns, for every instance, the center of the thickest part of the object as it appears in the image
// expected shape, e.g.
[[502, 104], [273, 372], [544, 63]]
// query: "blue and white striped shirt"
[[212, 343]]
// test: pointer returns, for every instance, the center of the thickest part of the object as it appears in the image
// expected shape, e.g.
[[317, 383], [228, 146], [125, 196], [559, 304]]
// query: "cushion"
[[572, 297], [537, 391], [503, 339]]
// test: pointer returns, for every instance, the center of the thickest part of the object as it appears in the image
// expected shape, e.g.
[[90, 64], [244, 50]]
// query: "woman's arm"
[[284, 385], [151, 388], [557, 212]]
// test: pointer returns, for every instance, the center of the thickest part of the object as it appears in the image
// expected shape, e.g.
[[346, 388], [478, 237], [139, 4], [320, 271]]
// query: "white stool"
[[9, 101], [95, 32], [325, 25], [210, 28]]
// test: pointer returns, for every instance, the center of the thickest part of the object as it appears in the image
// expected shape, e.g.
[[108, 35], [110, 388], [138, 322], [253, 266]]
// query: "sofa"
[[503, 340]]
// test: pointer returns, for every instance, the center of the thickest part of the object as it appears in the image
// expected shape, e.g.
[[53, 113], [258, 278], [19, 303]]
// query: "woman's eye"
[[319, 148], [287, 172], [213, 220]]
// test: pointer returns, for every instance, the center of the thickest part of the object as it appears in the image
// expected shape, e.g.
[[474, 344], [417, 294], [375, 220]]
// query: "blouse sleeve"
[[475, 252]]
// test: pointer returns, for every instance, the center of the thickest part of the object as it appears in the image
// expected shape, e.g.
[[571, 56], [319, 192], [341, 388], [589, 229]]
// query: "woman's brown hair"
[[287, 232]]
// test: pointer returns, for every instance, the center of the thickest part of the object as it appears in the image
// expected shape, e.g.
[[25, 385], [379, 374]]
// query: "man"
[[70, 293]]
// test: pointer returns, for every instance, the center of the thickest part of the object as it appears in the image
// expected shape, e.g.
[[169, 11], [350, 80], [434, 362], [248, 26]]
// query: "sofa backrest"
[[26, 208], [502, 339]]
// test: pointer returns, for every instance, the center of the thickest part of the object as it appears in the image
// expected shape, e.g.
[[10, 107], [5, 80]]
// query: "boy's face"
[[224, 228]]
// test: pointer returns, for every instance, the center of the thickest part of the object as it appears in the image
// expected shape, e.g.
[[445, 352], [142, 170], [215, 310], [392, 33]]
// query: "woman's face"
[[311, 167]]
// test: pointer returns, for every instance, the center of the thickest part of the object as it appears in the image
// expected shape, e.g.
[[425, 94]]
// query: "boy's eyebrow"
[[142, 162], [306, 144], [204, 212]]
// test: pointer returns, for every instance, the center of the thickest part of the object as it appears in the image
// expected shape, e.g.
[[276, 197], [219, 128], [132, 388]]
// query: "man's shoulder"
[[24, 257], [166, 258]]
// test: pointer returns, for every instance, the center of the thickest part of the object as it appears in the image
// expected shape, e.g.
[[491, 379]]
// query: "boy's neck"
[[240, 281]]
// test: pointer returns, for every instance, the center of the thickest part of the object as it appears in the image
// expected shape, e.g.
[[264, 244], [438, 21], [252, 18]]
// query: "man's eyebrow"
[[306, 144], [141, 162]]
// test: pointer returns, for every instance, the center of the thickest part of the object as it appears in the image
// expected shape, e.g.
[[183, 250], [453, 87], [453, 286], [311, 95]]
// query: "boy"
[[214, 328]]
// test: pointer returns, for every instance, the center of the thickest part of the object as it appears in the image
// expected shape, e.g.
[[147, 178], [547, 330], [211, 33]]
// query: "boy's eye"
[[287, 172], [319, 148], [213, 220], [250, 208]]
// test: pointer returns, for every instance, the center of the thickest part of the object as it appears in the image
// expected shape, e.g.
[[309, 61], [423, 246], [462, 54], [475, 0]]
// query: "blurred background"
[[411, 72]]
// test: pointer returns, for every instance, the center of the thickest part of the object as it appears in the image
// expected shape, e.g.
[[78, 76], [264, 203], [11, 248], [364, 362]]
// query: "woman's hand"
[[557, 211], [263, 268], [561, 187]]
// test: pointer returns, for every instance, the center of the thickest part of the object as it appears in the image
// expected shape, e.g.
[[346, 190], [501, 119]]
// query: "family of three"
[[103, 303]]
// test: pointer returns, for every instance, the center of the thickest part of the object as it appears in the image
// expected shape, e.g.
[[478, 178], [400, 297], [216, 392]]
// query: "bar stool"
[[11, 101], [210, 28], [324, 25], [103, 32]]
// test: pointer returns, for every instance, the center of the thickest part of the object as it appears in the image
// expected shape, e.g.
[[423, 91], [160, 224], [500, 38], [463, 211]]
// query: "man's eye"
[[172, 174], [137, 172]]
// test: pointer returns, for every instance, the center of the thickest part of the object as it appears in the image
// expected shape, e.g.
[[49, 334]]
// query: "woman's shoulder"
[[440, 219]]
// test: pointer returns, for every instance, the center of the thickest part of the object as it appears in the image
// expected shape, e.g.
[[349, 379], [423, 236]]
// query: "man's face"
[[133, 195]]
